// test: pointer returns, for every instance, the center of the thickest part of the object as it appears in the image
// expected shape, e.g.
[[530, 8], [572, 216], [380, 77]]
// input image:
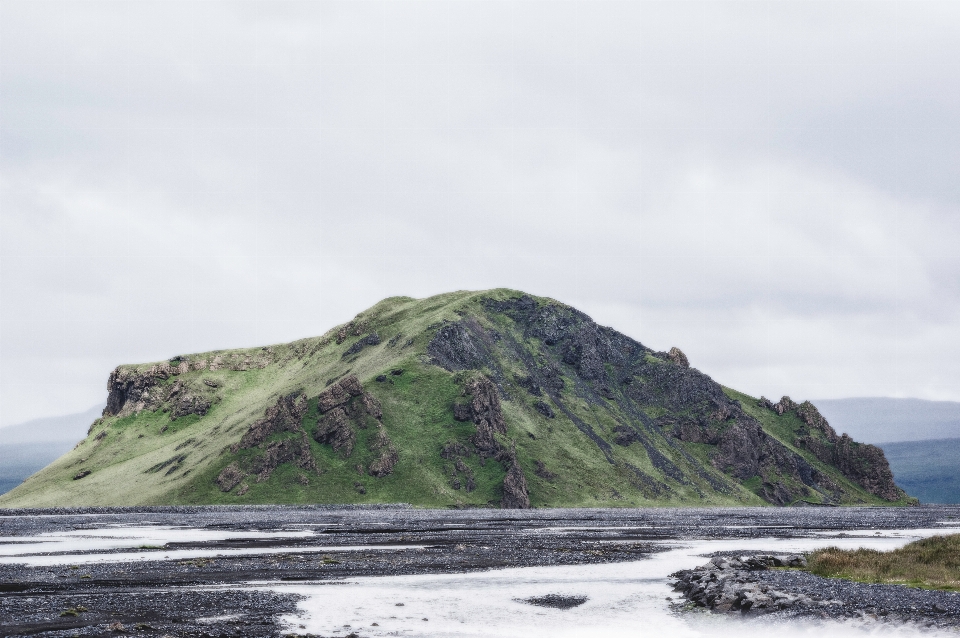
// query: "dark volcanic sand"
[[200, 598]]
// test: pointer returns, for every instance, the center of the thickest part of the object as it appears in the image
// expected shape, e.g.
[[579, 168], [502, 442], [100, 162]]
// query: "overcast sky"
[[772, 187]]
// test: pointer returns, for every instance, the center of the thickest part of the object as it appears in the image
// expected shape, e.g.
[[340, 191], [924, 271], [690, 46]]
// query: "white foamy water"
[[83, 547], [624, 599]]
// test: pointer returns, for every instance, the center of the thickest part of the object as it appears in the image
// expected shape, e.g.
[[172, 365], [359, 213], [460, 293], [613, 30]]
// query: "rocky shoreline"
[[244, 594], [770, 585]]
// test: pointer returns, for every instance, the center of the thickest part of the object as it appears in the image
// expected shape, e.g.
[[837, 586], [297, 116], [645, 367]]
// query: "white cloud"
[[770, 187]]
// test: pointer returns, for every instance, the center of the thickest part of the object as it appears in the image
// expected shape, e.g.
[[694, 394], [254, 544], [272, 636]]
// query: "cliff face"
[[495, 398]]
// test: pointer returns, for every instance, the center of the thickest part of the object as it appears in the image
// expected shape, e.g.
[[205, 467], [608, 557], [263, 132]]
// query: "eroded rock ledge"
[[862, 463], [343, 408], [480, 404]]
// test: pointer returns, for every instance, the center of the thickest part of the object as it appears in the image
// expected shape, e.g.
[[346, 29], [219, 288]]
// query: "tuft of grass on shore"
[[930, 563]]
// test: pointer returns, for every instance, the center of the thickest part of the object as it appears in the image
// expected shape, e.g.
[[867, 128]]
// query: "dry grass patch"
[[932, 563]]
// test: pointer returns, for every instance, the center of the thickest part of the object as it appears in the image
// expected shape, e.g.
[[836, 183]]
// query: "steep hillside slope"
[[491, 398]]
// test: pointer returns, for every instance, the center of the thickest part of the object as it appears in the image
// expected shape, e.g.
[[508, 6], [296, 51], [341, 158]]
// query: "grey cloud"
[[769, 186]]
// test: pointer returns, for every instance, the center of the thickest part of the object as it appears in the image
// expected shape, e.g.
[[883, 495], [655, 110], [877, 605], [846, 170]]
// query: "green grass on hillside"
[[932, 563], [147, 458]]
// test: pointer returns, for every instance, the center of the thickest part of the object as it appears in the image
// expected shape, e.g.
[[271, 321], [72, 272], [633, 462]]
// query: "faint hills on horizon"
[[879, 420], [28, 447]]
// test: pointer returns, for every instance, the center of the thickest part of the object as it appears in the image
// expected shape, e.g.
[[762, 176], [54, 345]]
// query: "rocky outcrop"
[[355, 328], [285, 416], [676, 355], [230, 477], [293, 450], [131, 389], [384, 463], [346, 408], [456, 347], [334, 429], [480, 404], [725, 584], [515, 491], [343, 409], [129, 392], [485, 412], [371, 339], [339, 393], [865, 465]]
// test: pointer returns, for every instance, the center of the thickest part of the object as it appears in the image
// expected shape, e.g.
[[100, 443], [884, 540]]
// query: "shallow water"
[[83, 547], [624, 599]]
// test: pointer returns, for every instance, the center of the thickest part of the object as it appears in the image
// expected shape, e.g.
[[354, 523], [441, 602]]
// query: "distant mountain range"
[[28, 447], [929, 470], [921, 440], [882, 420]]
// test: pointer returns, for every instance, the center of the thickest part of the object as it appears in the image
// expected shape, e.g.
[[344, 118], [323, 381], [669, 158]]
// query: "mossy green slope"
[[592, 418]]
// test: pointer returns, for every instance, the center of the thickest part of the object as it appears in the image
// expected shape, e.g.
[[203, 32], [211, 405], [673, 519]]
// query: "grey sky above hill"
[[769, 186], [884, 420]]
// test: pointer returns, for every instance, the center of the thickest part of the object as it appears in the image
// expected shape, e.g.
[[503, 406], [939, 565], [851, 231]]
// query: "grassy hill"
[[490, 398]]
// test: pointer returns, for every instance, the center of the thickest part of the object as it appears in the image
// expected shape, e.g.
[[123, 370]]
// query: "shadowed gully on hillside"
[[491, 398]]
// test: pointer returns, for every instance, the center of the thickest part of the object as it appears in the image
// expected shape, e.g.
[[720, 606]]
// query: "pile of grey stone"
[[727, 584]]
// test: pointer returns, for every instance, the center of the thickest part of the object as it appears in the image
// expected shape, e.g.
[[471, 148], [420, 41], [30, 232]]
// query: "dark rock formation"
[[461, 476], [625, 435], [184, 402], [455, 347], [345, 408], [863, 464], [676, 355], [785, 405], [556, 601], [285, 416], [371, 339], [293, 450], [335, 430], [515, 491], [339, 393], [612, 370], [127, 391], [481, 405], [453, 449], [486, 415], [388, 457], [544, 409], [725, 584], [131, 390], [230, 477]]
